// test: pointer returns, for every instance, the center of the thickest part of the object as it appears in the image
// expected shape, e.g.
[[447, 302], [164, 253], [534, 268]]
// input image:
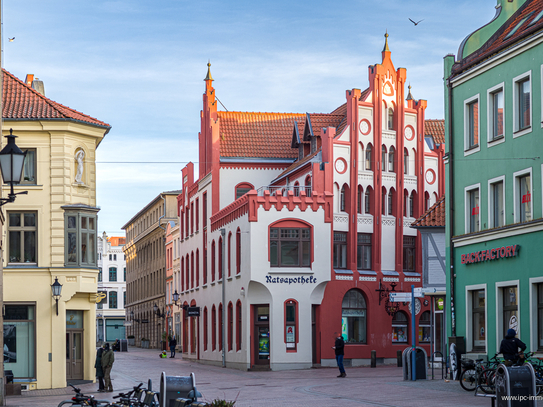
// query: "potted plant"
[[131, 340]]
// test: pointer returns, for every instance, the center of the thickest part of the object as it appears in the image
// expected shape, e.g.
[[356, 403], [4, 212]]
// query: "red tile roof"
[[435, 216], [436, 129], [520, 25], [21, 102], [117, 240]]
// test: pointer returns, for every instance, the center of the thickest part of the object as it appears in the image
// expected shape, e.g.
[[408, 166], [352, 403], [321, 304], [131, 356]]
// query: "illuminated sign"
[[492, 254]]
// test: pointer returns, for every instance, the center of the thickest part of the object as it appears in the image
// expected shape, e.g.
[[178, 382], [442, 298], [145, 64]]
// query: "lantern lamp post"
[[11, 164]]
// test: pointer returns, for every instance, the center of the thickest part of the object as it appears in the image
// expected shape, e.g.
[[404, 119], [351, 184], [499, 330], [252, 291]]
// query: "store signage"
[[193, 312], [144, 321], [492, 254], [291, 280]]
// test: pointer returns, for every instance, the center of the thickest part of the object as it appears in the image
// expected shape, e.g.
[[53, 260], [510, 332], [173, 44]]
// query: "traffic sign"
[[403, 297], [431, 290]]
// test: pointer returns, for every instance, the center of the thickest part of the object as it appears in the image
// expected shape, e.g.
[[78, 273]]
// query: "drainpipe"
[[165, 260], [223, 316], [451, 208]]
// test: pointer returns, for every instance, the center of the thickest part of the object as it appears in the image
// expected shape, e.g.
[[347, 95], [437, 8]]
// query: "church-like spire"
[[208, 76], [409, 96], [385, 49]]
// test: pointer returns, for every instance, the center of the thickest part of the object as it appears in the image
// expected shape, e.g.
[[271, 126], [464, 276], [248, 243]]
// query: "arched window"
[[367, 201], [188, 271], [192, 270], [399, 327], [220, 258], [391, 196], [308, 185], [238, 325], [353, 315], [368, 157], [230, 254], [383, 201], [405, 162], [238, 251], [230, 326], [426, 201], [390, 118], [424, 327], [213, 328], [213, 262], [220, 326], [205, 329], [384, 158], [296, 188], [204, 258], [183, 273], [291, 324], [359, 199], [242, 189], [197, 267], [360, 156], [391, 158], [412, 200], [342, 199], [185, 329]]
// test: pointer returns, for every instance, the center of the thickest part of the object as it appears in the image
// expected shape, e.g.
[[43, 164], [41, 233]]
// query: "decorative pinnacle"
[[208, 76], [385, 49], [409, 96]]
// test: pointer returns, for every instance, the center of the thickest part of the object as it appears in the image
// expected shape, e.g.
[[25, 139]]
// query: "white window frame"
[[466, 207], [490, 201], [499, 308], [516, 188], [516, 132], [469, 315], [490, 116], [467, 102], [534, 281]]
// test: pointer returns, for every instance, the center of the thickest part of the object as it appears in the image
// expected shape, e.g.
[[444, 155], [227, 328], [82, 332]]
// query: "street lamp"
[[175, 297], [11, 164], [56, 287]]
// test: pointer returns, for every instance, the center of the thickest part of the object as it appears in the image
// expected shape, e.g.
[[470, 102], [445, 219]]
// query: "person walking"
[[173, 344], [108, 357], [99, 369], [339, 347], [510, 348]]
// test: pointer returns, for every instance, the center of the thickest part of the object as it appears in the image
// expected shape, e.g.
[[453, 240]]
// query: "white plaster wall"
[[345, 136], [230, 177], [365, 113], [431, 163]]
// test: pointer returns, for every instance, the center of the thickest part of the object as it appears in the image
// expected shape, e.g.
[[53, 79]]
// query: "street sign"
[[432, 290], [403, 297]]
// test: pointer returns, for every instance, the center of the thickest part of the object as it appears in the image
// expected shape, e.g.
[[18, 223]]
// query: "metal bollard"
[[399, 358], [373, 358]]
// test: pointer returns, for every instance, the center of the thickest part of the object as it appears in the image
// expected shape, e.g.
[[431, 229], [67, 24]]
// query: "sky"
[[139, 66]]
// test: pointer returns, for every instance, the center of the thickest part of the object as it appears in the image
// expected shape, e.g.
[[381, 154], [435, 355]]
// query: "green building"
[[494, 165]]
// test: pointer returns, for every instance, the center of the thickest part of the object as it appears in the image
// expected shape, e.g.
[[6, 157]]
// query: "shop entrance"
[[74, 345], [262, 335]]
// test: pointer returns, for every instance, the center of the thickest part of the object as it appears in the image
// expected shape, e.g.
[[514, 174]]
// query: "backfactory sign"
[[490, 255]]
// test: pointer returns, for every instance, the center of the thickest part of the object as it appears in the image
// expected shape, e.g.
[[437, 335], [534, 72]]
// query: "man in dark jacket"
[[99, 370], [339, 349], [107, 363], [173, 344], [510, 347]]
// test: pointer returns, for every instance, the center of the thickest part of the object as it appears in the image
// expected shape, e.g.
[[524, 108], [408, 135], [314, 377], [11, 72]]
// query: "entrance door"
[[74, 354], [262, 335], [314, 333]]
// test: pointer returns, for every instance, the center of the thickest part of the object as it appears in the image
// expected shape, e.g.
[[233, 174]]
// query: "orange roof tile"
[[117, 240], [433, 217], [21, 102], [436, 129]]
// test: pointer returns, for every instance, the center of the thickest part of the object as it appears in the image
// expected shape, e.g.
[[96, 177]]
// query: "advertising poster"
[[291, 337], [344, 329], [264, 346], [10, 343]]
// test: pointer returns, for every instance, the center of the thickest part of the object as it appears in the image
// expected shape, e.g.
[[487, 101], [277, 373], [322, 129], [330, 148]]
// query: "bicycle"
[[477, 374], [81, 399]]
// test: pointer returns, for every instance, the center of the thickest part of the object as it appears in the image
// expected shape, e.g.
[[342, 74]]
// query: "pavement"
[[364, 386]]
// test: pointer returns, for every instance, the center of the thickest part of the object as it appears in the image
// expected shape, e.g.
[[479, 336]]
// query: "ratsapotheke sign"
[[490, 255]]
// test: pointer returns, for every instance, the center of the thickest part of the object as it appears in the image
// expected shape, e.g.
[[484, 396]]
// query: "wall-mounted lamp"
[[159, 313], [175, 297], [242, 293], [11, 164], [56, 288]]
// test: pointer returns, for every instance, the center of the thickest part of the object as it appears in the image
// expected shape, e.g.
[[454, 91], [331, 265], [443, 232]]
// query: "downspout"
[[165, 261], [451, 208], [223, 316]]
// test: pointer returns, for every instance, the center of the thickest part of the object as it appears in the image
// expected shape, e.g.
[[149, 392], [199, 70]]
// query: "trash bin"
[[124, 345], [173, 388], [421, 364], [515, 386]]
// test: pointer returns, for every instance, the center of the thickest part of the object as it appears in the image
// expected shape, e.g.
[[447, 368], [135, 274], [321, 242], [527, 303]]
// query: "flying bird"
[[11, 39], [416, 22]]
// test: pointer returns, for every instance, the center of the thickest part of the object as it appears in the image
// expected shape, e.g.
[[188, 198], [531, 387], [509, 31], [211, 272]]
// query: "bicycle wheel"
[[487, 381], [468, 379]]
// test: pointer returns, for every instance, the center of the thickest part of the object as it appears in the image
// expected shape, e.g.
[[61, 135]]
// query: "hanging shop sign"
[[492, 254], [291, 280]]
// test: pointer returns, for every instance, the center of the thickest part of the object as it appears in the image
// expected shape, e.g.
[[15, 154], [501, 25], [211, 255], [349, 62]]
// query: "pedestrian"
[[339, 347], [510, 348], [99, 370], [173, 344], [108, 357]]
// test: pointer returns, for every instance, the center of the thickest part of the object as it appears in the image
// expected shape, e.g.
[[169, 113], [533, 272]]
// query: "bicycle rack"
[[433, 360]]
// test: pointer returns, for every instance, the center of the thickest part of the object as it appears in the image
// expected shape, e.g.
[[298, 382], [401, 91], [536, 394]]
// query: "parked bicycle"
[[137, 397], [81, 399], [478, 374]]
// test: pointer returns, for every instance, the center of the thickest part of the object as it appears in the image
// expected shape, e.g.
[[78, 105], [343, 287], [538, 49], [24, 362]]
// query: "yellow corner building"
[[50, 233]]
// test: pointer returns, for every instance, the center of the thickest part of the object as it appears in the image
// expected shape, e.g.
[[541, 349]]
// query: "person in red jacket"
[[339, 347]]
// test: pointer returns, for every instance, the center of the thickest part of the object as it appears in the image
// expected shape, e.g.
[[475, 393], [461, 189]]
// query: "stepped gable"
[[433, 217], [436, 129], [21, 102]]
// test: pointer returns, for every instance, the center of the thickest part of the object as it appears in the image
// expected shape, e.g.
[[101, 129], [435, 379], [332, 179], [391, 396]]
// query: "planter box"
[[131, 341], [145, 344]]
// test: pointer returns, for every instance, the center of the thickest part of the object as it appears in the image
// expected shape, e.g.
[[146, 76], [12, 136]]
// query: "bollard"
[[399, 358], [373, 358]]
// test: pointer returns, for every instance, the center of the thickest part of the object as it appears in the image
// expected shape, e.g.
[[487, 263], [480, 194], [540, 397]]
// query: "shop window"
[[20, 340], [290, 247], [409, 249], [113, 299], [425, 327], [340, 250], [510, 309], [353, 317], [230, 326], [478, 320], [363, 251], [112, 274], [205, 328], [238, 325], [22, 232], [399, 327], [80, 239], [29, 168], [291, 324], [213, 328]]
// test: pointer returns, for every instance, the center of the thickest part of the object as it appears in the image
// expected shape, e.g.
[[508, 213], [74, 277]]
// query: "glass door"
[[262, 335], [74, 354]]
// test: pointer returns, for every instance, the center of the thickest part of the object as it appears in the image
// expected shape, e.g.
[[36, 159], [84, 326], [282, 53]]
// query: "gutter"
[[451, 207]]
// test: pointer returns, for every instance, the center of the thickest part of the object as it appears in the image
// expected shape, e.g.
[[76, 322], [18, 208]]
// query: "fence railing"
[[283, 190]]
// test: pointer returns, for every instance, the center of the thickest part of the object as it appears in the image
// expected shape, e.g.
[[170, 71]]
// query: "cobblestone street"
[[382, 386]]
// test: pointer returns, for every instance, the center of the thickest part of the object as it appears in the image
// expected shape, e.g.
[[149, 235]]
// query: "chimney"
[[35, 84]]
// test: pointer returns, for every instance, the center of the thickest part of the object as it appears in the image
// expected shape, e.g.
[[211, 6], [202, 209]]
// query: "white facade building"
[[110, 313]]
